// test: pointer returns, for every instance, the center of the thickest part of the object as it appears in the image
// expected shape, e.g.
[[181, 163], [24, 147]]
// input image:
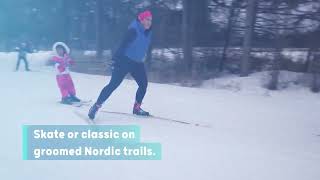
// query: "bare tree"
[[99, 28], [187, 31], [314, 68], [227, 38], [275, 65], [249, 30]]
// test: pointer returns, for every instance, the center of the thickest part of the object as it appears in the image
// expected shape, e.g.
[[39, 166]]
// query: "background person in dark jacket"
[[129, 58], [22, 55]]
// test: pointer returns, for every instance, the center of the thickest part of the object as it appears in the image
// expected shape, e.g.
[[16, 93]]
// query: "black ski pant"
[[121, 68]]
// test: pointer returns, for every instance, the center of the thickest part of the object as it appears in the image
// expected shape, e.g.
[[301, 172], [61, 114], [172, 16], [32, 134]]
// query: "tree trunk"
[[67, 20], [273, 84], [249, 30], [187, 37], [315, 83], [313, 70], [227, 35], [83, 33], [200, 16], [276, 63], [99, 28], [149, 56]]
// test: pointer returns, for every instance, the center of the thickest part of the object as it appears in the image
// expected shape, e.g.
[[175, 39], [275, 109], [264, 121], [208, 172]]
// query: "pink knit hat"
[[144, 15]]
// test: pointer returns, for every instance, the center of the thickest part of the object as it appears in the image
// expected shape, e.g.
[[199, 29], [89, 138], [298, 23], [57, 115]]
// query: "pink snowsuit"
[[63, 77]]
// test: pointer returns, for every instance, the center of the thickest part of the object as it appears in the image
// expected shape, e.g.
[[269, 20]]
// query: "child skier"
[[129, 58], [22, 55], [62, 62]]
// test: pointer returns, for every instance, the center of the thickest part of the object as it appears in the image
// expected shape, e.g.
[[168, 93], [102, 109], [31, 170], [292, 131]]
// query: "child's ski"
[[79, 104], [82, 103]]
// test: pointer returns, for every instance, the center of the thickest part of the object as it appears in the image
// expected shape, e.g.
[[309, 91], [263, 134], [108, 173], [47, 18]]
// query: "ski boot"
[[73, 98], [66, 100], [138, 111], [93, 110]]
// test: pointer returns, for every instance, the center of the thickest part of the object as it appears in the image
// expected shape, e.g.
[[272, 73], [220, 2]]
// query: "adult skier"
[[129, 58]]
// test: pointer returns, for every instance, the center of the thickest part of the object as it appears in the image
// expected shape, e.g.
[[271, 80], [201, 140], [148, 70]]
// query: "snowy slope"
[[253, 135]]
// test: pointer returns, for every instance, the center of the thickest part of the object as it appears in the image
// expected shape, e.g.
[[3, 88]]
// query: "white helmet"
[[55, 45]]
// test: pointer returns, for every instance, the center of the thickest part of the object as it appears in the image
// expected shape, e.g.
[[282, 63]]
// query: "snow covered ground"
[[255, 134]]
